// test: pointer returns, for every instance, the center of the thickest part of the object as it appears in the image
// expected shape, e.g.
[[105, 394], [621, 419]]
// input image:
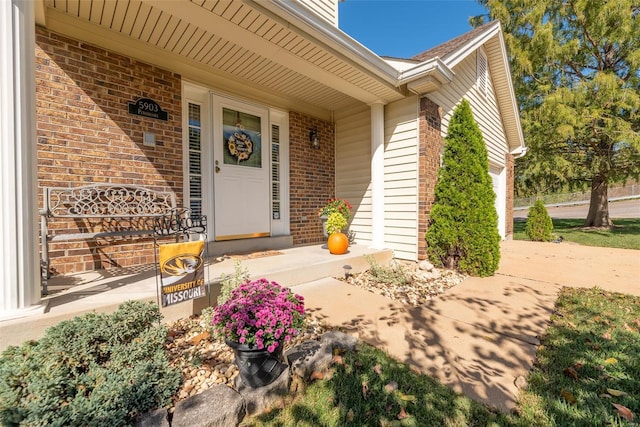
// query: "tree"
[[463, 232], [576, 74]]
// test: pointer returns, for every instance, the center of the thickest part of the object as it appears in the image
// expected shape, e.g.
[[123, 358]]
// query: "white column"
[[19, 259], [377, 176]]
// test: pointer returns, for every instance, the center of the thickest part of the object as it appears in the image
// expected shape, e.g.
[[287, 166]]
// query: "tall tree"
[[576, 66], [463, 233]]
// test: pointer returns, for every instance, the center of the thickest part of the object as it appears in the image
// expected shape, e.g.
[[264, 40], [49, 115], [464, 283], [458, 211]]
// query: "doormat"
[[253, 255]]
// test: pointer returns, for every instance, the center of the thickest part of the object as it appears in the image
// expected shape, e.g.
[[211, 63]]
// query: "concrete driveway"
[[483, 334]]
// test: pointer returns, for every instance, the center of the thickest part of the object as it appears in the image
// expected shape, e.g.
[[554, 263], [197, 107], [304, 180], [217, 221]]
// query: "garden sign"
[[181, 271]]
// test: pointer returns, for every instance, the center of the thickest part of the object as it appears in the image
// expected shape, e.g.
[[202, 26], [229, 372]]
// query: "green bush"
[[232, 281], [93, 370], [392, 275], [336, 223], [463, 231], [539, 225]]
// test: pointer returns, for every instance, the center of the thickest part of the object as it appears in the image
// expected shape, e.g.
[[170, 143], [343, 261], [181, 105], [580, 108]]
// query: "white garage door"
[[499, 177]]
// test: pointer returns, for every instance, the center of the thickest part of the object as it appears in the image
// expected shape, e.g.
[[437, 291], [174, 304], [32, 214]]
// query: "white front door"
[[240, 170]]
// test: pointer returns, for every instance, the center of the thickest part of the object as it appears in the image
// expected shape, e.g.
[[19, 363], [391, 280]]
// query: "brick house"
[[326, 118]]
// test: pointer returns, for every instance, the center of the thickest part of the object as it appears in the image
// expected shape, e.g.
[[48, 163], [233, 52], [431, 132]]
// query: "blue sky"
[[404, 28]]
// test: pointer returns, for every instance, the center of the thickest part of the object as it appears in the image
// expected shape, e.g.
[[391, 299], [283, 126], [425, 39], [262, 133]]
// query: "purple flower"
[[260, 313]]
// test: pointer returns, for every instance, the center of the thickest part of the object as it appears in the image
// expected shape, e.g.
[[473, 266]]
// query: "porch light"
[[313, 138]]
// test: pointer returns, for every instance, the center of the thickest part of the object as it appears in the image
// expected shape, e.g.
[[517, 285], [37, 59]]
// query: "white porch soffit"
[[281, 53]]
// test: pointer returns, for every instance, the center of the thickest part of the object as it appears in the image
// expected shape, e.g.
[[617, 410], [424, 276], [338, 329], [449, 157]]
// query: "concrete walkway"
[[482, 334]]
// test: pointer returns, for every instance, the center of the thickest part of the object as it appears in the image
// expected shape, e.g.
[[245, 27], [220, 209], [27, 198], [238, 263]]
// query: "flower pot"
[[324, 218], [338, 243], [257, 368]]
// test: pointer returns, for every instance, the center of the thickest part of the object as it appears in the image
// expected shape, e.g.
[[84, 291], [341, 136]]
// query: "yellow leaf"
[[568, 396], [611, 361], [406, 397], [616, 393]]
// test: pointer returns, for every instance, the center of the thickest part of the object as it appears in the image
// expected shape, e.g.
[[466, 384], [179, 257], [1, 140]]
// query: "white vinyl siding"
[[484, 107], [401, 178], [353, 167], [326, 9]]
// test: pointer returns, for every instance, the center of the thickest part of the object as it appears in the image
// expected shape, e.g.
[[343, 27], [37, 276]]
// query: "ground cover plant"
[[625, 234], [92, 370], [588, 370]]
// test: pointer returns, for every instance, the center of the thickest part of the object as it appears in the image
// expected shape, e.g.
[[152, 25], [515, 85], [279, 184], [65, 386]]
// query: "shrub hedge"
[[539, 224], [93, 370]]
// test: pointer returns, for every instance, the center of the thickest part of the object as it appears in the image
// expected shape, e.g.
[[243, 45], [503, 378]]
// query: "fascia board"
[[460, 54], [331, 36], [512, 95]]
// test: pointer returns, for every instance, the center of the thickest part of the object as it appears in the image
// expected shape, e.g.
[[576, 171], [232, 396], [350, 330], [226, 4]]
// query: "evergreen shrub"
[[92, 370], [463, 229], [539, 225]]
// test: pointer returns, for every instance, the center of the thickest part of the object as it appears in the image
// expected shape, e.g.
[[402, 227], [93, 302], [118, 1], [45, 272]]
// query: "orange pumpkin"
[[338, 243]]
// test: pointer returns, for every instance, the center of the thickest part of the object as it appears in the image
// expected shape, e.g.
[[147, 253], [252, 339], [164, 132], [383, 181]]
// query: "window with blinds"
[[275, 172], [482, 71], [195, 159]]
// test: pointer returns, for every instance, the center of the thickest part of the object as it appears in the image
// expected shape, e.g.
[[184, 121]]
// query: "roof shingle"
[[441, 51]]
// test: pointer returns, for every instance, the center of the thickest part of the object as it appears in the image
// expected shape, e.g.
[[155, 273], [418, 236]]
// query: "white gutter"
[[435, 65]]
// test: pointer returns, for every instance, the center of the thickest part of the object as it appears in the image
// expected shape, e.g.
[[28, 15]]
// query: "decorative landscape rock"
[[307, 358], [258, 400], [156, 418], [337, 339], [425, 266], [219, 406]]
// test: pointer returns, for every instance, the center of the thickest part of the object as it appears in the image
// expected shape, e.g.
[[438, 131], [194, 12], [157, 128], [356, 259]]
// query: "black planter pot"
[[257, 368]]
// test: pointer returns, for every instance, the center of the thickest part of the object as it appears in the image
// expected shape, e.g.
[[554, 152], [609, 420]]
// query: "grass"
[[625, 234], [587, 362], [355, 395]]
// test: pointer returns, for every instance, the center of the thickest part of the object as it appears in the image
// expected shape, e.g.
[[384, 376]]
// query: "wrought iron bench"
[[99, 211]]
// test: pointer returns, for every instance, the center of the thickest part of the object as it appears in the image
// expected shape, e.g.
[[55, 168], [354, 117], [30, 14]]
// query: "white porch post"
[[377, 176], [19, 260]]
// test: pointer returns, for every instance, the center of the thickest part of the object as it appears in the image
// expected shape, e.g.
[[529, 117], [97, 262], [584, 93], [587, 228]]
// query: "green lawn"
[[587, 364], [361, 392], [625, 234]]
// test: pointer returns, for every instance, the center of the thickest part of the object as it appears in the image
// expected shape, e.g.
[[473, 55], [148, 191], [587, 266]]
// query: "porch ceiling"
[[236, 44]]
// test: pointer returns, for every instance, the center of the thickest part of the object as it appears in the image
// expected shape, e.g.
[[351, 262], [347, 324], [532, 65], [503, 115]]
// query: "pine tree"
[[576, 76], [463, 233]]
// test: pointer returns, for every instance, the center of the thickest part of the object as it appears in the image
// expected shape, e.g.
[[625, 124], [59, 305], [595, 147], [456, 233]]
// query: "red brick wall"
[[312, 176], [430, 145], [85, 134], [509, 162]]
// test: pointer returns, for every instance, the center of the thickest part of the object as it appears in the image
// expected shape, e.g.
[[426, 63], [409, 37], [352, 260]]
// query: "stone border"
[[223, 406]]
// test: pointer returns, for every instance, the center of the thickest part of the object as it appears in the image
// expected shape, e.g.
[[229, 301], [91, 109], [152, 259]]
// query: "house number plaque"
[[147, 107]]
